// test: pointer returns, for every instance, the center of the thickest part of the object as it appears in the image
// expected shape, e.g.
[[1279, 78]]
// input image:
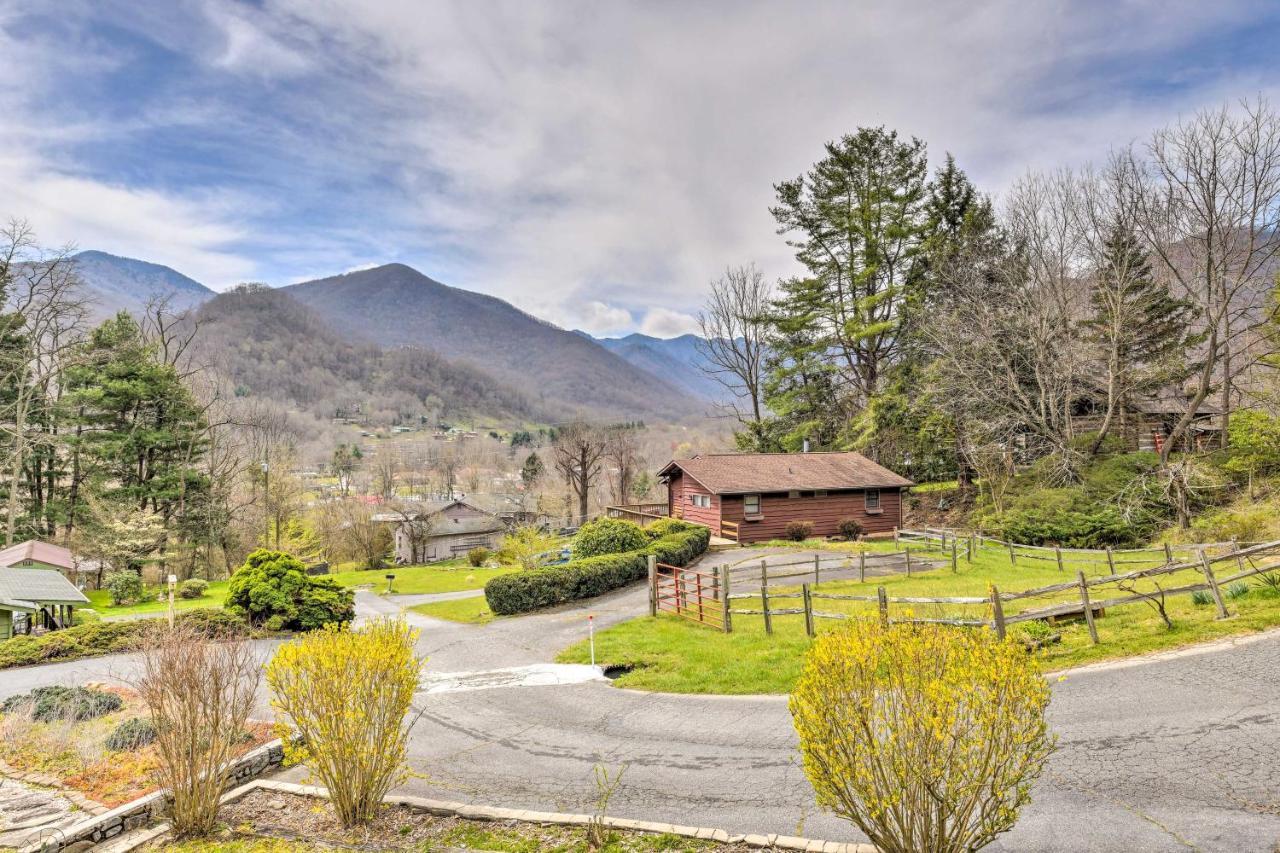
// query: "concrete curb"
[[447, 808]]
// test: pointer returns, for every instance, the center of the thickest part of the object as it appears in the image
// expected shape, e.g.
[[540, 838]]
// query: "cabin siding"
[[826, 512], [679, 489]]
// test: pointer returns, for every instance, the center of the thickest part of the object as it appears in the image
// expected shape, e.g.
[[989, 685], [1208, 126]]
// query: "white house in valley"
[[440, 530]]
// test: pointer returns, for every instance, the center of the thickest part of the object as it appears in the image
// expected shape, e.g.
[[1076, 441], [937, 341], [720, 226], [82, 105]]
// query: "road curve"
[[1179, 753]]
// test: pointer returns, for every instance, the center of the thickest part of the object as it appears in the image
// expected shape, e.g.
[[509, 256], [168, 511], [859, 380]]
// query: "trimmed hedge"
[[607, 536], [102, 638], [522, 592]]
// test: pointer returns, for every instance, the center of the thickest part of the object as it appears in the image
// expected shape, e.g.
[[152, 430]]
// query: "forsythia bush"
[[924, 736], [344, 694]]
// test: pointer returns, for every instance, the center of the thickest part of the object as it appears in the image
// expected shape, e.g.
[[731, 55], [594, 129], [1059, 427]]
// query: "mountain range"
[[510, 362]]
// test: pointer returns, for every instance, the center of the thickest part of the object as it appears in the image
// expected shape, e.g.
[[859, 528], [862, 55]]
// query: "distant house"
[[35, 554], [752, 497], [440, 530], [1145, 422], [36, 599]]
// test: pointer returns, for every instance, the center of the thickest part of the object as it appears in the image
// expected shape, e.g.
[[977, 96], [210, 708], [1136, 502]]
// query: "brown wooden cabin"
[[1145, 422], [752, 497]]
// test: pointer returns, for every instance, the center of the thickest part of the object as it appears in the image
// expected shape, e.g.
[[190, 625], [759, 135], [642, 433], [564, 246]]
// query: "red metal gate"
[[689, 594]]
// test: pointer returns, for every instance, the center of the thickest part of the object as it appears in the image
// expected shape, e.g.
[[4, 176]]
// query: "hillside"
[[678, 360], [271, 345], [126, 284], [397, 305]]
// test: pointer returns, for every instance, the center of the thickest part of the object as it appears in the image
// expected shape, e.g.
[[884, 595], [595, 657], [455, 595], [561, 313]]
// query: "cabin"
[[441, 530], [1145, 422], [752, 497], [35, 554], [36, 600]]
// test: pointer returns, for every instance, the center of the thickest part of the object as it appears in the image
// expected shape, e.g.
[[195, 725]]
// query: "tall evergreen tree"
[[1140, 330]]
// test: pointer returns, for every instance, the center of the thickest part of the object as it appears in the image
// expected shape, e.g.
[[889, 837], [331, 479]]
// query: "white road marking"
[[537, 675]]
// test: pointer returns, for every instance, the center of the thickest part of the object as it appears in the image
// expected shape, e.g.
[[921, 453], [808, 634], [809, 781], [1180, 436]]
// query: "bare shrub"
[[200, 693]]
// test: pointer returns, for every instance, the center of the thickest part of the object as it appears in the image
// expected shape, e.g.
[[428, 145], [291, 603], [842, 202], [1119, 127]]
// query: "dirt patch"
[[310, 821]]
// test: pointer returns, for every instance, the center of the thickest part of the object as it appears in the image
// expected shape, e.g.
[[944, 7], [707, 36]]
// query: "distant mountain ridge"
[[678, 360], [392, 306], [127, 284], [396, 304]]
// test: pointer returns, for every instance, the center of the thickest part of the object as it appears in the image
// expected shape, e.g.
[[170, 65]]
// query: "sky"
[[595, 163]]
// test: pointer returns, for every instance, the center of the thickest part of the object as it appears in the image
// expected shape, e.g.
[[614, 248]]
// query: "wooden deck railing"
[[641, 514], [729, 530]]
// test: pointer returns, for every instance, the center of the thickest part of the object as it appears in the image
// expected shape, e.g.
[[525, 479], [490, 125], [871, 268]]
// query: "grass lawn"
[[474, 610], [100, 600], [449, 576], [673, 655]]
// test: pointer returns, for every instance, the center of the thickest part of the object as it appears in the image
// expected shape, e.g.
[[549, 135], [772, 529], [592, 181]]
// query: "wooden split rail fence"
[[707, 597]]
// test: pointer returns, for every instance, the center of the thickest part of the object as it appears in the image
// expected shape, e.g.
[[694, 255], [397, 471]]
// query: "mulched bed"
[[271, 814]]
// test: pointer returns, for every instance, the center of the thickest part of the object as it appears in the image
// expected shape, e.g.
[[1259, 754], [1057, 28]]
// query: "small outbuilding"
[[36, 599], [752, 497], [441, 530]]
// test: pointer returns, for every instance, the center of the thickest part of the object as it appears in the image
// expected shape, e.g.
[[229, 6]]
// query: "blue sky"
[[594, 163]]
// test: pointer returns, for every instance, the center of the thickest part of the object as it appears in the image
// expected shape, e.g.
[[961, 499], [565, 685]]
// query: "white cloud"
[[665, 323], [599, 318]]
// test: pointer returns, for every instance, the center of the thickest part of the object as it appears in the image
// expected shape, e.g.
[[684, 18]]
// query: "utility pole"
[[266, 504]]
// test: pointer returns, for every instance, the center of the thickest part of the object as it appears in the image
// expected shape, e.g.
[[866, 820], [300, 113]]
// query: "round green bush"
[[125, 587], [607, 536], [57, 702], [193, 588], [273, 589], [477, 556], [133, 733]]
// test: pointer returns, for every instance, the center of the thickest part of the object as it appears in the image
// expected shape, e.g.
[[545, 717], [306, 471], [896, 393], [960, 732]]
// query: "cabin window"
[[751, 504], [700, 500], [871, 500]]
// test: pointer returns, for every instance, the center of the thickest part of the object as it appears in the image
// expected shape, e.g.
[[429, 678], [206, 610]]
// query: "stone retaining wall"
[[151, 808]]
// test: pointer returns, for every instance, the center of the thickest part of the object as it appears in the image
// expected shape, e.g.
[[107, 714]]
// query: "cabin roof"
[[743, 473], [26, 588], [41, 552]]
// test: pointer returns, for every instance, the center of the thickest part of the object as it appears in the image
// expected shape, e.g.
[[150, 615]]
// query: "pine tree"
[[1140, 330]]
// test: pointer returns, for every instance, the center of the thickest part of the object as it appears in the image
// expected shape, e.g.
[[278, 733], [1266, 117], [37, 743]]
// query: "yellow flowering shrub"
[[926, 737], [345, 695]]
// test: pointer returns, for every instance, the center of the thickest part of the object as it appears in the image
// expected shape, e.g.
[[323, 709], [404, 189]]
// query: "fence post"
[[724, 604], [653, 585], [764, 597], [969, 556], [906, 549], [1235, 546], [1111, 560], [715, 583], [862, 567], [954, 567], [1213, 585], [1168, 553], [816, 568], [895, 535], [808, 610], [997, 612], [1088, 608], [1057, 552], [883, 600], [1013, 558]]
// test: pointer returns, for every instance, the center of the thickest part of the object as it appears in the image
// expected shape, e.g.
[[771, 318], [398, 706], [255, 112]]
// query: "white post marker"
[[173, 583], [591, 632]]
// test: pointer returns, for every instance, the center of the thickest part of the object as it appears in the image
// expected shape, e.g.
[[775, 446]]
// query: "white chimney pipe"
[[806, 446]]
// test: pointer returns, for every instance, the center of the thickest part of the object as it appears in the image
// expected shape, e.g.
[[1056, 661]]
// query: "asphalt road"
[[1179, 753]]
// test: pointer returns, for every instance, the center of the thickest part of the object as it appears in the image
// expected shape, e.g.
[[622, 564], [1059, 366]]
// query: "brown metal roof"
[[740, 473], [41, 552]]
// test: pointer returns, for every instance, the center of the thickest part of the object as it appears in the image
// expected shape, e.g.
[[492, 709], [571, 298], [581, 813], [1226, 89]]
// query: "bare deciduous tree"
[[734, 330], [579, 450]]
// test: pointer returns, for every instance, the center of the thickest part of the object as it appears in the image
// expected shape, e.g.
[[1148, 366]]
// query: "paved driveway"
[[1176, 754]]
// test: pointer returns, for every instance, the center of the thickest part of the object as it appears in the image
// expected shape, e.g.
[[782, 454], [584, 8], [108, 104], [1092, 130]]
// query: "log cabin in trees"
[[756, 495]]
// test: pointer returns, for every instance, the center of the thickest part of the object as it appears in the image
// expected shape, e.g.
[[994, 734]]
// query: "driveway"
[[1181, 753]]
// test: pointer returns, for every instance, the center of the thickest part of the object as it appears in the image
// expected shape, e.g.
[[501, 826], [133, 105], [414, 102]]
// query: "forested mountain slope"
[[272, 345], [397, 305], [126, 284]]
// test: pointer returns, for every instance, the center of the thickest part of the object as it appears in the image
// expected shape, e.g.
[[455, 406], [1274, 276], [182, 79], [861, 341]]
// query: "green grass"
[[473, 610], [671, 654], [100, 600], [450, 576]]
